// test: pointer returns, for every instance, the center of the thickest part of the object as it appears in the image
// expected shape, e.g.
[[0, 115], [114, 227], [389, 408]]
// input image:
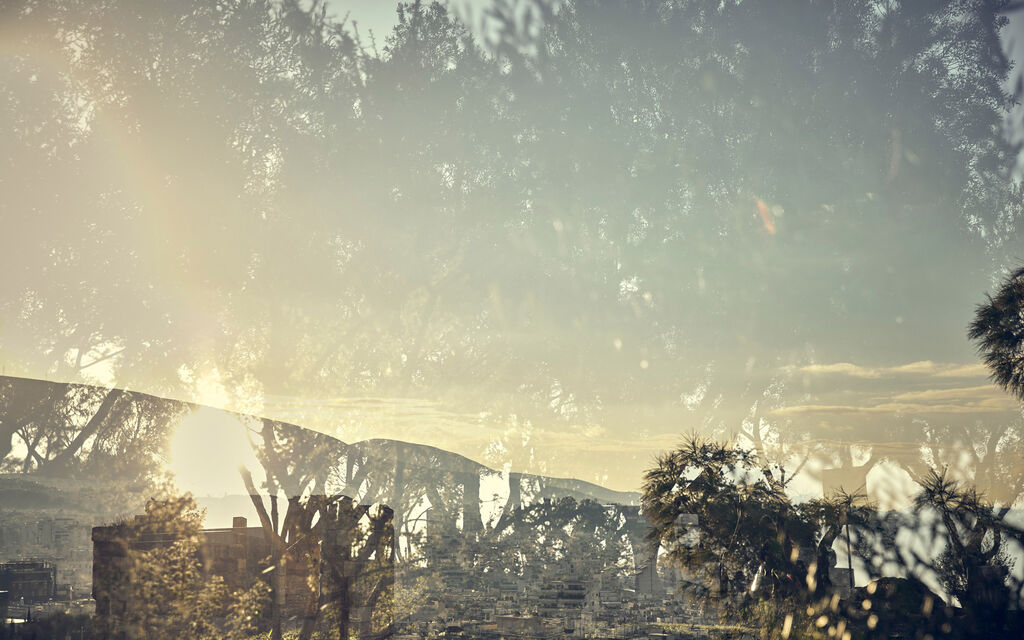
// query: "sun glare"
[[206, 451]]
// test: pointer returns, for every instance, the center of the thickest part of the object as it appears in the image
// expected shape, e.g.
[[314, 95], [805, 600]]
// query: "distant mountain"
[[116, 441]]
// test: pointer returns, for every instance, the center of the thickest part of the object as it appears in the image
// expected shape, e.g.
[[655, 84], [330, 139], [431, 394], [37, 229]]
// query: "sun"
[[206, 450]]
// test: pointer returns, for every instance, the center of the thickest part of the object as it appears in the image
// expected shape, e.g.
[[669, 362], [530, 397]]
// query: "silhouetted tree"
[[975, 564], [111, 441], [745, 525], [998, 330], [295, 465]]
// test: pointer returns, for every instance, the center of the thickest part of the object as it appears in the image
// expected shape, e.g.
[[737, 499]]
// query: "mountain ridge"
[[27, 403]]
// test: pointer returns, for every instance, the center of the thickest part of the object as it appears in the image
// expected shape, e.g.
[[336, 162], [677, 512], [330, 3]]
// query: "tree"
[[974, 566], [834, 516], [107, 440], [745, 525], [295, 465], [332, 559], [357, 588], [953, 545], [714, 505], [982, 454], [53, 422], [336, 208], [153, 585], [998, 330]]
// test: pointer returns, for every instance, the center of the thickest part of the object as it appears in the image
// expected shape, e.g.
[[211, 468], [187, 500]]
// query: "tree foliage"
[[163, 587], [715, 508], [716, 505], [975, 564], [998, 331]]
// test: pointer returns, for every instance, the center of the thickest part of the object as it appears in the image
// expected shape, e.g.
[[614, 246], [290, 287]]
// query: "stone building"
[[30, 580], [353, 586], [236, 554]]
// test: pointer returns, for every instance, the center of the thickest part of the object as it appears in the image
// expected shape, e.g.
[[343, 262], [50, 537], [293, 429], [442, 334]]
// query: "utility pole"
[[849, 552]]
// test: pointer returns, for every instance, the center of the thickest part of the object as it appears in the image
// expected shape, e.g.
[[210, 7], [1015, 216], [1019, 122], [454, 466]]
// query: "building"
[[561, 598], [29, 580], [521, 626], [55, 538], [236, 554], [354, 569], [646, 580]]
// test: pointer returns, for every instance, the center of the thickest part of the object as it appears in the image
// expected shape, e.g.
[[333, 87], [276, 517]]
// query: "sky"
[[899, 354], [896, 353], [598, 321]]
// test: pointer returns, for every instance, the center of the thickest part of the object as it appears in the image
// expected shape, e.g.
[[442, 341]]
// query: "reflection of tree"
[[410, 479], [244, 192], [301, 473], [300, 467], [656, 190], [554, 536], [430, 487], [359, 570], [772, 440], [295, 465], [54, 422], [985, 455], [111, 437]]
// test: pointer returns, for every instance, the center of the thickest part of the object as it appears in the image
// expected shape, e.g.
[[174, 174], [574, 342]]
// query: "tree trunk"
[[59, 462], [823, 560]]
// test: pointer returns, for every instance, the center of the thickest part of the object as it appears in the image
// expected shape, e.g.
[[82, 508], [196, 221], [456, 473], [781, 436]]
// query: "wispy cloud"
[[959, 400], [844, 368], [965, 371], [887, 408], [984, 392], [925, 368]]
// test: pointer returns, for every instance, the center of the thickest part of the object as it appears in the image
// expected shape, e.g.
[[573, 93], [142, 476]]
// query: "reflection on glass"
[[511, 319]]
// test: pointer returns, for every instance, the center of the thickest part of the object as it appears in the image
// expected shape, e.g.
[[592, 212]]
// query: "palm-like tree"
[[998, 329], [974, 567], [744, 525], [835, 517]]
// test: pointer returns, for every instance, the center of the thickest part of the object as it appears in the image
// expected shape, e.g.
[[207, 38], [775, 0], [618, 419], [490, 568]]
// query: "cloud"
[[986, 406], [965, 371], [983, 392], [845, 368], [921, 367]]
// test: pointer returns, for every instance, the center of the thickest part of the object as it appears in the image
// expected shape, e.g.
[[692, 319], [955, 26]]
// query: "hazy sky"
[[650, 277], [888, 343], [893, 351]]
